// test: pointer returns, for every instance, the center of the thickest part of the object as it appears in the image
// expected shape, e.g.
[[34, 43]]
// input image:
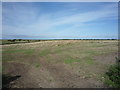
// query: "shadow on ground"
[[7, 79]]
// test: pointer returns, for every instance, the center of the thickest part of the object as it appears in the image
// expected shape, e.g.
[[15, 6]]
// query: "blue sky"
[[59, 20]]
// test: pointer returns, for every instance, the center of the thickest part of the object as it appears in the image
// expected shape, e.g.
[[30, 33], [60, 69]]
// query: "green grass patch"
[[28, 51], [44, 52], [12, 51], [24, 51], [70, 61], [58, 50], [37, 65], [91, 52], [88, 60]]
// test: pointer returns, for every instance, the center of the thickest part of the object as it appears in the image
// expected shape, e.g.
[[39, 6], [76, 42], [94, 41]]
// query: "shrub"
[[113, 75], [13, 40]]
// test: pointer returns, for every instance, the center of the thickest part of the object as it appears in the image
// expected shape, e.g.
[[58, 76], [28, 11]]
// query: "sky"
[[59, 20]]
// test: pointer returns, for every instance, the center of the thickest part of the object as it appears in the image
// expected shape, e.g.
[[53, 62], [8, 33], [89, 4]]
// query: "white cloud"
[[45, 22], [27, 19]]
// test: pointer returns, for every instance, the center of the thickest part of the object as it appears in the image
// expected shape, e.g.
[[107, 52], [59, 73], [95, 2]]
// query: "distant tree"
[[13, 40], [19, 39], [28, 41], [10, 40]]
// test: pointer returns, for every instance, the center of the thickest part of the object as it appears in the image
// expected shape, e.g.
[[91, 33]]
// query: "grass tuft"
[[70, 61], [37, 65]]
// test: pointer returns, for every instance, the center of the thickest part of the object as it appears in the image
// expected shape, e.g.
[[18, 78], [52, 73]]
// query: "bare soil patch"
[[48, 76], [107, 58]]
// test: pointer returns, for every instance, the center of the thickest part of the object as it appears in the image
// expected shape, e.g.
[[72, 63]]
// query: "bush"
[[113, 75]]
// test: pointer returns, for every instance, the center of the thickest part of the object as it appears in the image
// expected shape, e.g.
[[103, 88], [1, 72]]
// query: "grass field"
[[58, 63]]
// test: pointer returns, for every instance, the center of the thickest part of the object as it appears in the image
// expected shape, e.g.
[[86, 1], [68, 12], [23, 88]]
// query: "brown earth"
[[53, 75], [24, 72], [107, 58]]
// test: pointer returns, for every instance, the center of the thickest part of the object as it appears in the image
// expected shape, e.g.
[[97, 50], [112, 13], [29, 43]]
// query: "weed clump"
[[113, 75]]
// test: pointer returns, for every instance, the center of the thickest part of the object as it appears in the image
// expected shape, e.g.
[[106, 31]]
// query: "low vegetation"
[[113, 75], [59, 63], [17, 41]]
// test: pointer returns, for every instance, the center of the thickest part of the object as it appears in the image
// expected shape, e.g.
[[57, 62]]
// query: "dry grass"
[[54, 57]]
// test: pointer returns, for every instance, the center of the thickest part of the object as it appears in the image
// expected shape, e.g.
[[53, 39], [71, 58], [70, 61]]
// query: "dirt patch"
[[60, 76], [107, 58], [47, 76], [17, 69]]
